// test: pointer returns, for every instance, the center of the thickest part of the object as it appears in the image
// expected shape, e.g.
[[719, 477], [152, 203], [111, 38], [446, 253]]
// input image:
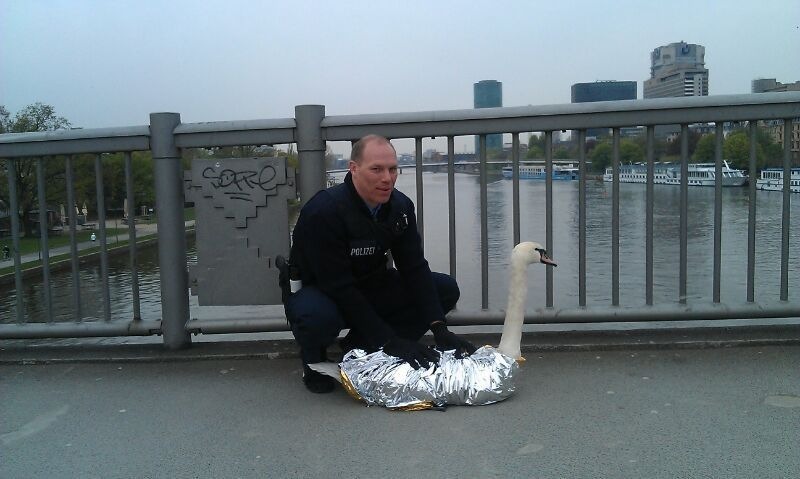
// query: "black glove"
[[412, 352], [283, 277], [447, 340]]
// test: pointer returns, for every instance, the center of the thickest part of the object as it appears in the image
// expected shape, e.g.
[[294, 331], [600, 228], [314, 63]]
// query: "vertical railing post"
[[787, 198], [420, 204], [310, 150], [73, 239], [171, 233], [718, 179], [548, 214], [451, 202], [582, 218], [650, 195], [44, 225], [751, 216], [515, 186], [484, 223], [684, 214], [615, 192], [13, 214], [130, 213]]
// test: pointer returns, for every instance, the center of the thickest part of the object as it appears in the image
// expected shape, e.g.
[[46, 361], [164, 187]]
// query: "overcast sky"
[[111, 63]]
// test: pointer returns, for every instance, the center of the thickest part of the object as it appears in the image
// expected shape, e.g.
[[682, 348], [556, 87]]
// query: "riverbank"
[[88, 251]]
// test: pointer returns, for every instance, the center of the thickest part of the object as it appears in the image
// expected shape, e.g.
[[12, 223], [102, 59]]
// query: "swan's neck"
[[515, 308]]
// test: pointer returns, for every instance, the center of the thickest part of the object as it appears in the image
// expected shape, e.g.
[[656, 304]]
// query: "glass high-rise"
[[488, 94], [603, 91]]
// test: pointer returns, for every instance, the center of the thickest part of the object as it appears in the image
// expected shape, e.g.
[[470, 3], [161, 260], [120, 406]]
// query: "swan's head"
[[531, 252]]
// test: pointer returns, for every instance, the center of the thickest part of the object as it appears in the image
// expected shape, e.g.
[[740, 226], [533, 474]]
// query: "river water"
[[565, 233]]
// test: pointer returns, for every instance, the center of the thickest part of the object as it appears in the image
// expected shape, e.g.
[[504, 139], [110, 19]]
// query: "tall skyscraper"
[[677, 69], [603, 91], [488, 94]]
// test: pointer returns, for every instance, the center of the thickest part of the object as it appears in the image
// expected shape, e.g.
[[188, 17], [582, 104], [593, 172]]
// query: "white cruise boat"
[[700, 174], [538, 172], [772, 179]]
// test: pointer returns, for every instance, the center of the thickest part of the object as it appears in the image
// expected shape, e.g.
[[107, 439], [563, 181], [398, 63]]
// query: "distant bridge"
[[473, 167]]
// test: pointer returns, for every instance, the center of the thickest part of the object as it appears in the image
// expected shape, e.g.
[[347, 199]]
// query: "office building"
[[602, 91], [677, 69], [775, 127], [488, 94], [765, 85]]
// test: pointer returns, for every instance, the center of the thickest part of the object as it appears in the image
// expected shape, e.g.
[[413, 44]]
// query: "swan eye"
[[541, 251]]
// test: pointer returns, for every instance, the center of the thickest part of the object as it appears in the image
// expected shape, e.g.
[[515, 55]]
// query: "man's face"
[[374, 176]]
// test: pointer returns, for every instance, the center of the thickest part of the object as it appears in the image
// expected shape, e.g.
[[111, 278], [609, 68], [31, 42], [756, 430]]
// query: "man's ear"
[[351, 165]]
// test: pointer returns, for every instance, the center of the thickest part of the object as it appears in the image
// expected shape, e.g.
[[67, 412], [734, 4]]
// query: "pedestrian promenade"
[[638, 412], [142, 231]]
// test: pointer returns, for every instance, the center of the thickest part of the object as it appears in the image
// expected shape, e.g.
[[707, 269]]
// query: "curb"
[[22, 353]]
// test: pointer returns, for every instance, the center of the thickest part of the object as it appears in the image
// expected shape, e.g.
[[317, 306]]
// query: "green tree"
[[536, 140], [673, 148], [34, 117], [601, 156], [562, 153], [535, 151], [705, 149], [737, 149], [630, 151], [773, 151]]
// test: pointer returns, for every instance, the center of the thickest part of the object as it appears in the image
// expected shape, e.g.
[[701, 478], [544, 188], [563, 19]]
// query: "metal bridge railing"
[[311, 129]]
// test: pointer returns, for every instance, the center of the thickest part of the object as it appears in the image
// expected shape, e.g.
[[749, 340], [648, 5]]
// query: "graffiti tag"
[[238, 185]]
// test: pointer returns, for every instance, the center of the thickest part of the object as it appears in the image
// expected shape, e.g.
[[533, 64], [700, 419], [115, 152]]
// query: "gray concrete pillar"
[[310, 150], [171, 235]]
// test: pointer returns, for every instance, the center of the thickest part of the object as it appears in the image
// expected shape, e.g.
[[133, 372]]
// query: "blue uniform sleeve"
[[320, 234], [415, 271]]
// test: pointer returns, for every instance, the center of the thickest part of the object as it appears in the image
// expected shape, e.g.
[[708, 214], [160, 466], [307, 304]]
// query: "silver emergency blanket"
[[485, 377]]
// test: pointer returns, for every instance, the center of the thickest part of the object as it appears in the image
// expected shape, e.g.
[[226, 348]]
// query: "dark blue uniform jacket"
[[342, 250]]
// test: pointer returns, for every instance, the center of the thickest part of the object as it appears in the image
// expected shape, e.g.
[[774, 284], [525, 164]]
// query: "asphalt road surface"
[[731, 412]]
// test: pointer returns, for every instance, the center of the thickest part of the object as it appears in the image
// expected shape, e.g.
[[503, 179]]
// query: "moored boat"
[[771, 179], [539, 172], [700, 174]]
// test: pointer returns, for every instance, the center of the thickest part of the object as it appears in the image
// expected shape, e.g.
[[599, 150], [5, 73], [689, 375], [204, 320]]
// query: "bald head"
[[357, 153], [373, 169]]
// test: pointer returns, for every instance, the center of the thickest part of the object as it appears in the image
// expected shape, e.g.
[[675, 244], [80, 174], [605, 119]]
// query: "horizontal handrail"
[[235, 133], [575, 116], [608, 114], [77, 141]]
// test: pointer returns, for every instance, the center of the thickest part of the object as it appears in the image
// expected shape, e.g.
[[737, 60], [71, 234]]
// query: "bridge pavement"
[[634, 412]]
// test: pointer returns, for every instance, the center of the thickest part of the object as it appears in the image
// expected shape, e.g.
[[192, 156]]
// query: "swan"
[[485, 377]]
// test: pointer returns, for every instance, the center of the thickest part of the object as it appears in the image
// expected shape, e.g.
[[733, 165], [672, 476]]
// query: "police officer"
[[341, 246]]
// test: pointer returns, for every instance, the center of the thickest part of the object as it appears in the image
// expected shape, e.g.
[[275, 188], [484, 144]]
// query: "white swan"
[[521, 256], [484, 377]]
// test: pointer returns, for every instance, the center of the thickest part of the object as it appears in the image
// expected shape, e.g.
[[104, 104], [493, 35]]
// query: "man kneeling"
[[340, 248]]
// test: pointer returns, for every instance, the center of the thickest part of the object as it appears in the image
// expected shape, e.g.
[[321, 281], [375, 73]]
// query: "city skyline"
[[102, 65]]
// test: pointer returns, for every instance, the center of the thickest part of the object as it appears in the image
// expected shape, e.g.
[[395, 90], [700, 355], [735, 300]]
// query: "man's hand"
[[412, 352], [447, 340]]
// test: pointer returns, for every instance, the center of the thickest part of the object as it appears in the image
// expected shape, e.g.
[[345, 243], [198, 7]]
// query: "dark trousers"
[[316, 320]]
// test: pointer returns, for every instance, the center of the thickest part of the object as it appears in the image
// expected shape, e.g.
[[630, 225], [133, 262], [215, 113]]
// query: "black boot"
[[314, 381]]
